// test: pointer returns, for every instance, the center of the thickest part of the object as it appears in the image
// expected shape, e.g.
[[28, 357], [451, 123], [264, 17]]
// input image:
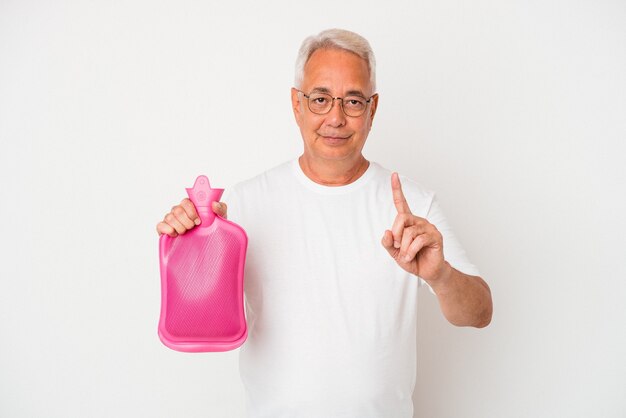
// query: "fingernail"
[[407, 258], [396, 244], [197, 221]]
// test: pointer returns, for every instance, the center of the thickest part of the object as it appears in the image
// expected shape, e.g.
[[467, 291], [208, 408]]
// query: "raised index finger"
[[398, 197]]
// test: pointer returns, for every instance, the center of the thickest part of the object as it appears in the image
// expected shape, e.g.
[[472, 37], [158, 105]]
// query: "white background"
[[514, 112]]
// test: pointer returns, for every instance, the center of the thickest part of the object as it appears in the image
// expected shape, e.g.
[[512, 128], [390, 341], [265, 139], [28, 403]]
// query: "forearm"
[[464, 300]]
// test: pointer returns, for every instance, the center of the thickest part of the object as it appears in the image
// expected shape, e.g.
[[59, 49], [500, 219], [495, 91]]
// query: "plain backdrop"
[[513, 111]]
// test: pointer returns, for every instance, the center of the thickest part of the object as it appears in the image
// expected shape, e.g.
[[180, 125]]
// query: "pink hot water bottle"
[[202, 306]]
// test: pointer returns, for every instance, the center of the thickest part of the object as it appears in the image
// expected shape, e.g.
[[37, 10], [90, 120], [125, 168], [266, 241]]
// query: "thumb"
[[220, 209], [387, 242]]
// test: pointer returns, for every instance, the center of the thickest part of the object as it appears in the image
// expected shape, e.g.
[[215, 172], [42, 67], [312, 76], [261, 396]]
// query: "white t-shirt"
[[331, 316]]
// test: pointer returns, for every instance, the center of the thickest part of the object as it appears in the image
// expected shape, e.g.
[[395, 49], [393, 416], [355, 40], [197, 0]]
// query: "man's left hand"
[[415, 243]]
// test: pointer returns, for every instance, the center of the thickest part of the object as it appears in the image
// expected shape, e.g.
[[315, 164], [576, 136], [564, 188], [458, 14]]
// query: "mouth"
[[334, 140]]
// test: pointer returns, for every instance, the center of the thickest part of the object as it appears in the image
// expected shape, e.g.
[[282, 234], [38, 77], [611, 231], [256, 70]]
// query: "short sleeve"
[[231, 198], [453, 252]]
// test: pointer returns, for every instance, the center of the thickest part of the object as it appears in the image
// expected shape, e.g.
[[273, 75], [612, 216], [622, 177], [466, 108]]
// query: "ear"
[[373, 107], [296, 104]]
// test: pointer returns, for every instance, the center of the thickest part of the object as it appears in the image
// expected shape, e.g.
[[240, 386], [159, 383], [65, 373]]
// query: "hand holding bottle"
[[184, 217]]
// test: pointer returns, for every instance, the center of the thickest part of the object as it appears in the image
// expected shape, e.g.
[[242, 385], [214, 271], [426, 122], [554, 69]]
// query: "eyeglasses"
[[322, 103]]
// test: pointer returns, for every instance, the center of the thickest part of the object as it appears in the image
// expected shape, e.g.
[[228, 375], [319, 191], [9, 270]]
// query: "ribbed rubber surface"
[[201, 304]]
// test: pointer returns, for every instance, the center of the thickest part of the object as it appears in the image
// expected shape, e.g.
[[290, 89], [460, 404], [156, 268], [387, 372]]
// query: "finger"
[[408, 235], [387, 242], [190, 210], [220, 208], [172, 221], [419, 243], [163, 228], [402, 221], [182, 217], [398, 196]]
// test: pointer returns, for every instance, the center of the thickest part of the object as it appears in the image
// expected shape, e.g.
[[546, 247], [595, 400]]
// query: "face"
[[334, 136]]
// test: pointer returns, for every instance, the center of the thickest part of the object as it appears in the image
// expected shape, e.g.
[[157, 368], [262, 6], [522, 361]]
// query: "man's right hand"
[[184, 217]]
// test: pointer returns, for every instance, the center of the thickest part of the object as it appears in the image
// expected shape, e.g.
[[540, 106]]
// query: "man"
[[336, 255]]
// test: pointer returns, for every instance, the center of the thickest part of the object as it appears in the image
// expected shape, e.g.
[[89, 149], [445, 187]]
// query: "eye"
[[354, 102], [320, 103]]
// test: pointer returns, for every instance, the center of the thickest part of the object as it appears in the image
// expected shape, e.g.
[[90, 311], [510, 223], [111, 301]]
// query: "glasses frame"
[[308, 102]]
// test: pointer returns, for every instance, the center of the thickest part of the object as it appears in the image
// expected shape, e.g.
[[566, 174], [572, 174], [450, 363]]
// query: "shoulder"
[[265, 182], [419, 197]]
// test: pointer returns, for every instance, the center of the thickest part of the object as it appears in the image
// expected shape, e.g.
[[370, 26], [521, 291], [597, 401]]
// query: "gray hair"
[[336, 39]]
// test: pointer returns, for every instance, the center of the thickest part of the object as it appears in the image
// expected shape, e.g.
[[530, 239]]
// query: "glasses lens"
[[320, 103], [354, 105]]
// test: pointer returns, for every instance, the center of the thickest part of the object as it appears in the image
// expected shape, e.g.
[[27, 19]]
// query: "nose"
[[335, 117]]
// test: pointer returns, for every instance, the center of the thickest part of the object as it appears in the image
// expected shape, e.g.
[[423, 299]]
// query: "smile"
[[334, 137], [334, 140]]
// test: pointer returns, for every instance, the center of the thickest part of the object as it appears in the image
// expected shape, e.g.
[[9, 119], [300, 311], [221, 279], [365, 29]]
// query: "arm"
[[417, 247], [464, 300]]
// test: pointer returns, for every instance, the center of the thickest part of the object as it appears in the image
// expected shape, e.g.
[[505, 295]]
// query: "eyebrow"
[[327, 91]]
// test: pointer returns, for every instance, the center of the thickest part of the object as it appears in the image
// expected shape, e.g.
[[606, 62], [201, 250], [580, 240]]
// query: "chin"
[[335, 154], [339, 149]]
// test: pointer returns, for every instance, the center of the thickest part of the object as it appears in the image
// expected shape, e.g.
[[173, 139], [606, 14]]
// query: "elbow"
[[479, 321], [473, 309], [484, 318], [484, 321]]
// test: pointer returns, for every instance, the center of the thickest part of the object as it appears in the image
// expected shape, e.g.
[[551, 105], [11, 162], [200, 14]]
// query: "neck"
[[333, 173]]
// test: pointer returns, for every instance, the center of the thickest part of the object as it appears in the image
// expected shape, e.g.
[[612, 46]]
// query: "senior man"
[[338, 248]]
